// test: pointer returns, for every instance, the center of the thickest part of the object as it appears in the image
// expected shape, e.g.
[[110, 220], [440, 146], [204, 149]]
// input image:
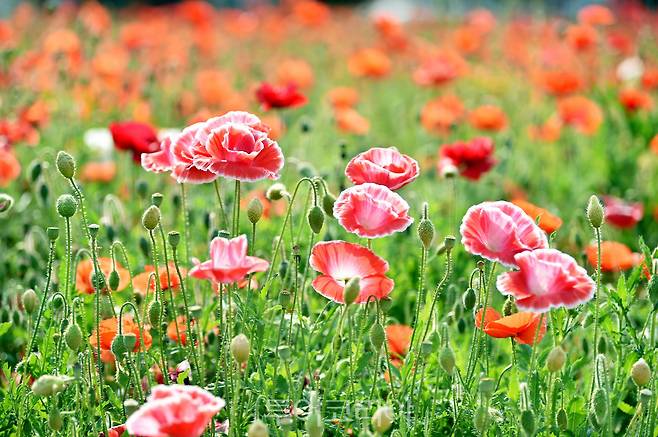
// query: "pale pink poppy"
[[339, 261], [622, 214], [174, 411], [228, 262], [236, 145], [371, 211], [383, 166], [499, 230], [547, 278], [183, 152]]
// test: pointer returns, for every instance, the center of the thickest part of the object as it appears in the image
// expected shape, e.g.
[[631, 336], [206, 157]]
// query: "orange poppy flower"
[[550, 131], [615, 256], [398, 339], [653, 144], [467, 39], [369, 62], [488, 118], [561, 82], [98, 172], [634, 100], [350, 121], [86, 267], [172, 333], [596, 15], [650, 78], [392, 32], [276, 124], [213, 87], [343, 97], [10, 168], [580, 112], [109, 328], [521, 326], [441, 114], [581, 37], [63, 41], [95, 17], [440, 69], [144, 286], [294, 71], [36, 114], [547, 221], [311, 13]]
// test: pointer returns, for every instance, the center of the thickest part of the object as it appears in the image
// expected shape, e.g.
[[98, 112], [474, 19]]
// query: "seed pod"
[[595, 212], [258, 428], [528, 423], [556, 359], [55, 421], [156, 199], [66, 205], [93, 230], [113, 280], [641, 373], [65, 164], [53, 233], [509, 307], [599, 405], [377, 336], [468, 299], [276, 192], [174, 238], [382, 419], [240, 348], [129, 341], [562, 419], [487, 387], [254, 210], [30, 301], [154, 310], [481, 419], [151, 217], [315, 219], [6, 202], [447, 359], [426, 232], [285, 299], [328, 204], [352, 290], [73, 337]]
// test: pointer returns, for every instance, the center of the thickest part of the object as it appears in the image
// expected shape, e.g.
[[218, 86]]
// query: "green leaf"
[[4, 328]]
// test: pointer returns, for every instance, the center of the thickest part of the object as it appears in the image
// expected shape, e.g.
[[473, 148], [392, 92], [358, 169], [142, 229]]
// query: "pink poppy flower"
[[383, 166], [134, 137], [339, 261], [499, 230], [472, 159], [236, 146], [371, 211], [622, 214], [228, 262], [174, 411], [547, 278], [161, 161]]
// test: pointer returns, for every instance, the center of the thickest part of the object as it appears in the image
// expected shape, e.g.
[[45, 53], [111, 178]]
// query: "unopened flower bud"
[[328, 204], [382, 419], [315, 219], [6, 202], [556, 359], [30, 301], [595, 212], [118, 347], [447, 359], [481, 419], [174, 238], [487, 387], [35, 170], [65, 164], [276, 191], [641, 373], [562, 420], [258, 428], [468, 299], [314, 424], [73, 337], [53, 233], [156, 199], [528, 423], [55, 421], [151, 217], [600, 405], [113, 280], [509, 307], [254, 211], [377, 336], [153, 313], [66, 205], [352, 290], [240, 348], [48, 385], [426, 232]]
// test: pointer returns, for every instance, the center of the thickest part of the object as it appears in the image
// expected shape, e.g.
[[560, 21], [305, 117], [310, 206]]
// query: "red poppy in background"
[[472, 159], [583, 114], [278, 97], [561, 82], [178, 326], [350, 121], [653, 144], [441, 114], [521, 326], [634, 100], [650, 78], [596, 15], [622, 214], [440, 69], [343, 97], [383, 166], [10, 168], [550, 131], [615, 256], [134, 137], [581, 37], [339, 261]]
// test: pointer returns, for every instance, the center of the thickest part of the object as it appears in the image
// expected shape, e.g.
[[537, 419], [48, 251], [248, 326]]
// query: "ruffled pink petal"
[[344, 260], [227, 253], [382, 166]]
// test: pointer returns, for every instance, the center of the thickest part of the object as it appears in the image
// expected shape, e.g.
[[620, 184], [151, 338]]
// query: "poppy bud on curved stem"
[[66, 205], [65, 164], [595, 212]]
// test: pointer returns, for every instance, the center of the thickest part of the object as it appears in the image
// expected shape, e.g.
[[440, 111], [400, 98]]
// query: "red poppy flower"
[[653, 144], [134, 137], [550, 131], [634, 100], [521, 326], [581, 37], [343, 97], [547, 278], [472, 159], [622, 214], [561, 82], [85, 269], [581, 113], [440, 69], [372, 211], [271, 96], [615, 257], [499, 230], [10, 168], [339, 261], [650, 78], [350, 121], [178, 326], [383, 166]]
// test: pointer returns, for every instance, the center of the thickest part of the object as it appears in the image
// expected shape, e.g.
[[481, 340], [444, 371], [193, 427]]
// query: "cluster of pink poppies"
[[543, 278]]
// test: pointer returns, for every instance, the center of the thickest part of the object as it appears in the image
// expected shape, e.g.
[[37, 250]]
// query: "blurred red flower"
[[272, 96]]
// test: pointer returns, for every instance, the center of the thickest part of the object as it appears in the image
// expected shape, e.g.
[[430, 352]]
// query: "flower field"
[[316, 220]]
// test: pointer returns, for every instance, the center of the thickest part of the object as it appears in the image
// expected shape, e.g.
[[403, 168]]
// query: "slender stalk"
[[222, 212]]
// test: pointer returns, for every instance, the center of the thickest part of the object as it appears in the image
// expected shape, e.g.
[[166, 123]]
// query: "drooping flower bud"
[[284, 352], [556, 359], [151, 217], [481, 419], [382, 419], [240, 348], [528, 423], [595, 212], [55, 421], [73, 336], [328, 204], [276, 192], [352, 290], [468, 299], [254, 210], [600, 405], [118, 347], [6, 202], [315, 219], [30, 301], [113, 280], [641, 373], [562, 419], [258, 428], [48, 385], [65, 164], [377, 336], [153, 313]]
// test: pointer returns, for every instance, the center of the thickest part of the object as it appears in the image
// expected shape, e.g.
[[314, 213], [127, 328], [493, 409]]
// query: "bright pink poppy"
[[236, 145], [371, 211], [272, 96], [499, 230], [228, 262], [622, 214], [472, 159], [175, 411], [134, 137], [383, 166], [339, 261], [547, 278], [161, 161]]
